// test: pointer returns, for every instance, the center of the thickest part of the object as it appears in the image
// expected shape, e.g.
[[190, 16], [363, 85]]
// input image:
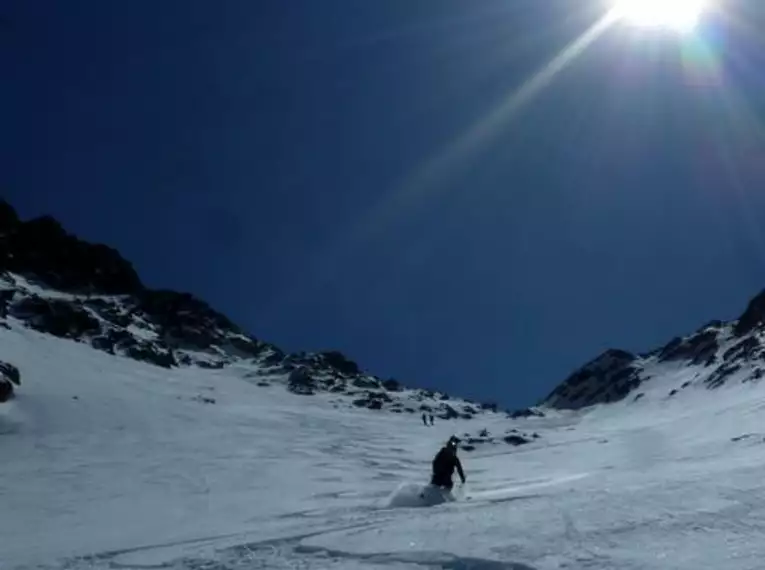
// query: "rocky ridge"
[[53, 282], [717, 354]]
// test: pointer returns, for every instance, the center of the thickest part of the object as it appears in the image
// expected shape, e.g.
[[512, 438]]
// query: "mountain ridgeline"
[[55, 283], [718, 353]]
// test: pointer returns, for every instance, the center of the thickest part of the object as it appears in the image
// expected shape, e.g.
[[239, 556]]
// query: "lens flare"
[[678, 15]]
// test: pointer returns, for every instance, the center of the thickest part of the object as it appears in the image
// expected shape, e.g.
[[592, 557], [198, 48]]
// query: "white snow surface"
[[110, 463]]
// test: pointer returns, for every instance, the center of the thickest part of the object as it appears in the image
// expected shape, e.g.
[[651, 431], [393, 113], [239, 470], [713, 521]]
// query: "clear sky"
[[406, 181]]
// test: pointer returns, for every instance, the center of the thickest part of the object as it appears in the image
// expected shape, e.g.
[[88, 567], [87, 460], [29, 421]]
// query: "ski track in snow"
[[112, 464]]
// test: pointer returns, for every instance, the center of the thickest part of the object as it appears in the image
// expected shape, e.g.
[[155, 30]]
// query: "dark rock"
[[42, 250], [392, 385], [273, 358], [515, 440], [367, 383], [339, 362], [698, 348], [9, 376], [672, 393], [9, 220], [449, 413], [263, 384], [719, 376], [10, 373], [466, 447], [103, 343], [151, 354], [6, 390], [60, 318], [609, 377], [636, 398], [753, 317], [205, 399], [301, 382], [748, 349], [526, 413]]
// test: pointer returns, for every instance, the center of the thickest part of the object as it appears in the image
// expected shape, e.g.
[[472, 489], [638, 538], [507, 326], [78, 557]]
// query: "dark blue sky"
[[294, 164]]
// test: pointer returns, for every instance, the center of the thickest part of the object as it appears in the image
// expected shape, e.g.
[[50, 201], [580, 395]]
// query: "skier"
[[431, 419], [424, 419], [444, 464]]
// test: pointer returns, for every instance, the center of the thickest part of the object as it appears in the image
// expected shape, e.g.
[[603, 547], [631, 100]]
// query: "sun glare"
[[679, 15]]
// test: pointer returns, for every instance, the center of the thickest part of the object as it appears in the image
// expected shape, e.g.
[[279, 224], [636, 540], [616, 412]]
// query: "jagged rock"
[[392, 385], [339, 362], [362, 382], [10, 372], [748, 349], [753, 316], [9, 376], [699, 348], [6, 297], [526, 413], [609, 377], [206, 364], [151, 354], [42, 250], [60, 318], [273, 358], [6, 390], [301, 382], [449, 413], [719, 376]]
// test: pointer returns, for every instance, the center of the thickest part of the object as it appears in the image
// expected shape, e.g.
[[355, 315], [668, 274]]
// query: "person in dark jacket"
[[444, 464]]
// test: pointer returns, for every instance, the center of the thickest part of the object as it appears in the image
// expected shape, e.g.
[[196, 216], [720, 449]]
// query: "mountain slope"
[[111, 463], [717, 354], [55, 283]]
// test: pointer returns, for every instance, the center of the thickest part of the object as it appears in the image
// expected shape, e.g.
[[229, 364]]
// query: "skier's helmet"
[[453, 442]]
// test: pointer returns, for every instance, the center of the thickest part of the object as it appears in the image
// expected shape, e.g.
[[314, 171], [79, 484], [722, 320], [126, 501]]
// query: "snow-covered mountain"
[[55, 283], [111, 463], [150, 433], [717, 354]]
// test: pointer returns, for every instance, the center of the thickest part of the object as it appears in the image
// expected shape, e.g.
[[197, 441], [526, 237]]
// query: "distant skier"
[[431, 419], [424, 419], [444, 464]]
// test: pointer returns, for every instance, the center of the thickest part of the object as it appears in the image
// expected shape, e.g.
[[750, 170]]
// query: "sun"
[[679, 15]]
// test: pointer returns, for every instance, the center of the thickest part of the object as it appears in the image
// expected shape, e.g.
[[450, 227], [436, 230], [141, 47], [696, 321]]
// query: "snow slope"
[[112, 463]]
